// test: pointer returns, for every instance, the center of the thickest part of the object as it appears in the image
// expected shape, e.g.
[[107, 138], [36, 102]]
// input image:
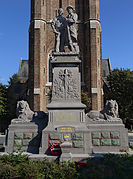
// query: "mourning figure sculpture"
[[109, 113], [59, 25]]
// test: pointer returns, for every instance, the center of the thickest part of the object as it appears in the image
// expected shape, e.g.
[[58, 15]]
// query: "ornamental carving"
[[66, 85]]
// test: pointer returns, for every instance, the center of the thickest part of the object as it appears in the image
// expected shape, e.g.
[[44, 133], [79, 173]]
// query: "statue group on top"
[[65, 31]]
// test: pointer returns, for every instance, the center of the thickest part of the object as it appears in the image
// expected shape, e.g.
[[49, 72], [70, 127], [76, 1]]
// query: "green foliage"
[[3, 100], [13, 79], [19, 166], [4, 96], [86, 100], [121, 90], [108, 167]]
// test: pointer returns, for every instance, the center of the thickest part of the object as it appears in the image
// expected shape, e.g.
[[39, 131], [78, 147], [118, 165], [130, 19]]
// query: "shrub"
[[86, 100], [109, 167]]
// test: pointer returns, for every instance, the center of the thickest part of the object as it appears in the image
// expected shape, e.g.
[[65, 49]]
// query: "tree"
[[3, 100], [121, 89], [13, 79]]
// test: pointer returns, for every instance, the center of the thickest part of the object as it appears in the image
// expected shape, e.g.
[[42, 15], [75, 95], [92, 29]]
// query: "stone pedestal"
[[66, 112], [106, 137], [77, 134], [23, 136], [67, 120]]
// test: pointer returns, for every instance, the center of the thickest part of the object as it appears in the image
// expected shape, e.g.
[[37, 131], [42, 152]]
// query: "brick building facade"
[[41, 44]]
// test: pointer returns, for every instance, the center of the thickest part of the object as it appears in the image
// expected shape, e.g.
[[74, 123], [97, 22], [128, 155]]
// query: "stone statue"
[[25, 114], [72, 19], [23, 111], [109, 113], [59, 25]]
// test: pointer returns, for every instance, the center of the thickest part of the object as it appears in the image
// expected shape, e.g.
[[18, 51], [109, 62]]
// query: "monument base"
[[96, 132], [23, 136], [95, 138], [108, 137]]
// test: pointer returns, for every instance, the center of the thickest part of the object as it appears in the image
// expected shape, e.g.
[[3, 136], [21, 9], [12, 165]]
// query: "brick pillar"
[[93, 52], [37, 59], [96, 57]]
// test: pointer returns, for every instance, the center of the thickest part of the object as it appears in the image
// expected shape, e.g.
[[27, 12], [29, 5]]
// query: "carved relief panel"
[[66, 84]]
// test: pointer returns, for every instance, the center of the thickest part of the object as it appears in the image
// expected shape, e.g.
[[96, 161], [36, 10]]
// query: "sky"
[[117, 34]]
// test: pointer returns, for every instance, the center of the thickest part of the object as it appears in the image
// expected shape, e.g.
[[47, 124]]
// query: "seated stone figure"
[[23, 111], [109, 113], [25, 114]]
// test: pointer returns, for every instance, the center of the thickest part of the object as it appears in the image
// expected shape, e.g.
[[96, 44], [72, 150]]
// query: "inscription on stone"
[[65, 129], [65, 117], [65, 59]]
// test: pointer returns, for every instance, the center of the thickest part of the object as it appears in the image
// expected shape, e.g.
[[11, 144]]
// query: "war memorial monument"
[[66, 130]]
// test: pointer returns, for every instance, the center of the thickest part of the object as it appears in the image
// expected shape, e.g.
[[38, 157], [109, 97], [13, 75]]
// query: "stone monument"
[[69, 130], [77, 133]]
